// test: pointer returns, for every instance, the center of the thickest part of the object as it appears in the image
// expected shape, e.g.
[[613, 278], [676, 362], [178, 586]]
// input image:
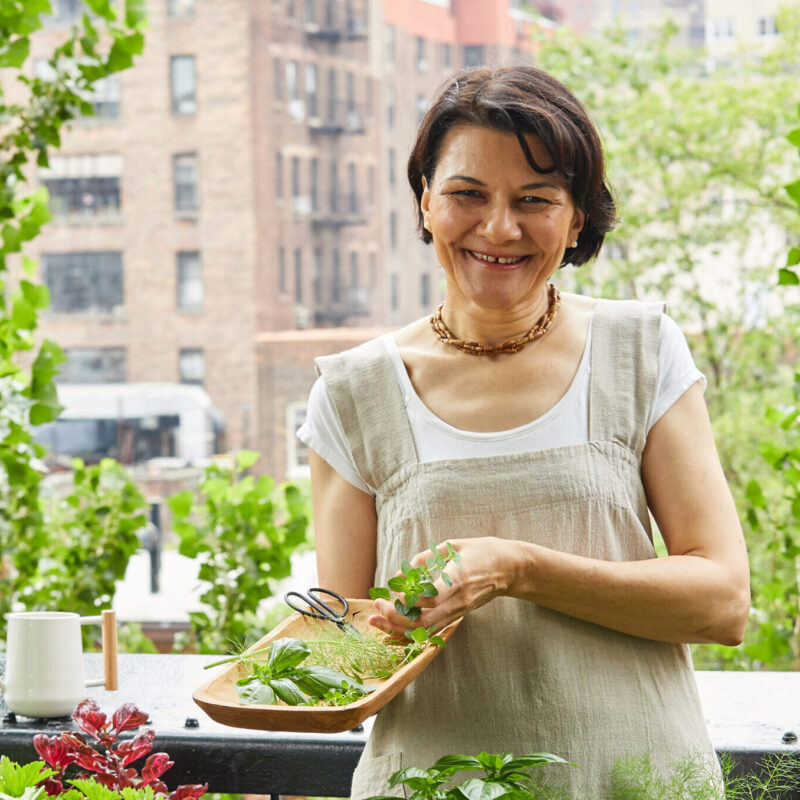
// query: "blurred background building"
[[239, 204]]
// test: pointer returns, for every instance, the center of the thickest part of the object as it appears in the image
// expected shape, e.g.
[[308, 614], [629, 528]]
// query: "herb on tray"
[[280, 677], [414, 583]]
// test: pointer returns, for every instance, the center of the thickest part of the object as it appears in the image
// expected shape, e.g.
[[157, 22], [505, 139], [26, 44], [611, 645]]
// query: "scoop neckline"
[[413, 401]]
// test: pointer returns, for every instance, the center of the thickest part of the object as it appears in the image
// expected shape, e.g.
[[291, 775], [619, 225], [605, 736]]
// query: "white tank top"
[[566, 423]]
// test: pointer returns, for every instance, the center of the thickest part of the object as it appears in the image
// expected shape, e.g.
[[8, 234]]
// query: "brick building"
[[246, 180]]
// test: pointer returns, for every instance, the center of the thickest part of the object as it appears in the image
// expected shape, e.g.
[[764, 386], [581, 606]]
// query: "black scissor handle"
[[322, 609]]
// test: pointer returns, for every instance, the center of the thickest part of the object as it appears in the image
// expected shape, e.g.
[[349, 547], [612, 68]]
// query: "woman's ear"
[[424, 201], [578, 222]]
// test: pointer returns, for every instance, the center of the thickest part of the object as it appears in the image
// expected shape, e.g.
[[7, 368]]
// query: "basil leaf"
[[317, 681], [286, 654], [429, 590], [446, 578], [287, 690], [413, 614], [401, 607], [397, 584], [379, 593], [437, 640], [457, 762], [477, 789], [255, 692]]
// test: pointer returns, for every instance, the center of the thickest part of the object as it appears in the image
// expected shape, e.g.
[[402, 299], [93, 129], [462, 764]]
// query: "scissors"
[[321, 610]]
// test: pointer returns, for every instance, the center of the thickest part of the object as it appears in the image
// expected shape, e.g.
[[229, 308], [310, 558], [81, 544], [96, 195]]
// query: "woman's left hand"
[[485, 571]]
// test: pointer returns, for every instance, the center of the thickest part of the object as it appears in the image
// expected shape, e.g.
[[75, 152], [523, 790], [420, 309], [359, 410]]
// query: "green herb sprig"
[[417, 582]]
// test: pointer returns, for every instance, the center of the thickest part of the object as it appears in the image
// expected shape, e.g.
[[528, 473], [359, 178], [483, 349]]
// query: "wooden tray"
[[218, 698]]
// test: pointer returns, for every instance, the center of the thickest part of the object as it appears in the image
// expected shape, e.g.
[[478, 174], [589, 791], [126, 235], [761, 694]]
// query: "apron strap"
[[625, 341], [363, 387]]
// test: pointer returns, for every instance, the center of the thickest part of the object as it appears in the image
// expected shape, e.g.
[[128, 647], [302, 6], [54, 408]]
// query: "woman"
[[536, 433]]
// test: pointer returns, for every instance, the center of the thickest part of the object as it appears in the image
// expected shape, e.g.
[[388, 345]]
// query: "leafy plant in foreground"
[[504, 776], [280, 676], [108, 765]]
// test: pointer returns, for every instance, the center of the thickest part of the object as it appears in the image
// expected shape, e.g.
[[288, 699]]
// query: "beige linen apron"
[[517, 677]]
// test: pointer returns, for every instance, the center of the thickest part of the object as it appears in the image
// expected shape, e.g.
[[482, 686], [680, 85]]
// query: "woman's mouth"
[[503, 262]]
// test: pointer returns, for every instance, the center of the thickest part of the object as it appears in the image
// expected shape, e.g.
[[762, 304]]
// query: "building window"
[[277, 80], [281, 271], [391, 159], [422, 107], [368, 89], [295, 177], [296, 452], [309, 12], [422, 62], [192, 365], [334, 185], [190, 280], [314, 169], [390, 99], [84, 282], [393, 230], [183, 83], [336, 278], [353, 188], [180, 8], [332, 94], [298, 276], [295, 105], [394, 290], [351, 93], [185, 182], [103, 94], [371, 185], [767, 26], [316, 276], [93, 365], [425, 290], [356, 293], [389, 33], [311, 89], [473, 55], [83, 186], [373, 271], [290, 9], [447, 56], [278, 174]]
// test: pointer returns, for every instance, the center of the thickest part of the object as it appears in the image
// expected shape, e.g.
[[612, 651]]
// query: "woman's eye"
[[467, 193], [532, 200]]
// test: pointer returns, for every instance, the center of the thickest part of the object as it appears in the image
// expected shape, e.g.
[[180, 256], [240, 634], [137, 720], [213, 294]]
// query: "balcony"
[[336, 313], [341, 210], [334, 25], [338, 118]]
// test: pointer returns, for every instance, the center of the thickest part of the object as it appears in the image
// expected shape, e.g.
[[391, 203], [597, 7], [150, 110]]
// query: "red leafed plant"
[[109, 766]]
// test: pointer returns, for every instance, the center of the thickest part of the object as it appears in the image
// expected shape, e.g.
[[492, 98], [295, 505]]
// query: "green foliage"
[[504, 776], [414, 583], [280, 677], [84, 544], [698, 169], [17, 779], [32, 122], [244, 532]]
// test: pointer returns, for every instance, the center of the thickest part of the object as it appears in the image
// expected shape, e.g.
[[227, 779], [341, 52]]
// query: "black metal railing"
[[338, 117]]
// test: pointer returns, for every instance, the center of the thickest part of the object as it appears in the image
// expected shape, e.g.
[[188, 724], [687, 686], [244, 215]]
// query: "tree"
[[33, 111], [697, 160]]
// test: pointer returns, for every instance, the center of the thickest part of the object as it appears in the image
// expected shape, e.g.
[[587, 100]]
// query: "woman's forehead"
[[468, 149]]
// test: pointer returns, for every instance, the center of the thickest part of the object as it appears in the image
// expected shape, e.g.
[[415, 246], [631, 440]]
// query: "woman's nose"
[[499, 224]]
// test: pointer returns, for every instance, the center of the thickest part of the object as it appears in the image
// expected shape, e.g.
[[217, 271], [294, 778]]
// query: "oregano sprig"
[[414, 583]]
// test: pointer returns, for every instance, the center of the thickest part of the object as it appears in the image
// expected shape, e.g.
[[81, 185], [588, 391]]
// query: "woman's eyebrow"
[[526, 187]]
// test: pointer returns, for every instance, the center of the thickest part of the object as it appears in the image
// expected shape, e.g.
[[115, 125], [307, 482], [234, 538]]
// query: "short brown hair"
[[523, 100]]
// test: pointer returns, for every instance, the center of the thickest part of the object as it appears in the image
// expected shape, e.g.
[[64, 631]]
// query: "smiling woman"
[[537, 432]]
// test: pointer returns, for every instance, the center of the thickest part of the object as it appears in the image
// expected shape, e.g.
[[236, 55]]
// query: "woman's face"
[[499, 227]]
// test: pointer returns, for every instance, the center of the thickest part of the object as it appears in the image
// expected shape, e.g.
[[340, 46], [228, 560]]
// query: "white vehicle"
[[133, 423]]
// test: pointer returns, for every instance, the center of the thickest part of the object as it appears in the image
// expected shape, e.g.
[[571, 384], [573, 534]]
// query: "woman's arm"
[[345, 531], [699, 593]]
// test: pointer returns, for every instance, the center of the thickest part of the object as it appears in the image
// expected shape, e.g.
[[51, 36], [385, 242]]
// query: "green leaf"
[[317, 680], [429, 590], [379, 593], [531, 760], [418, 635], [254, 692], [285, 654], [287, 691], [478, 789], [793, 190], [413, 613], [787, 278], [16, 778], [437, 640], [406, 568], [181, 504], [447, 579], [754, 494], [397, 584], [94, 790], [15, 53], [135, 13], [794, 137], [30, 265], [246, 458], [793, 258]]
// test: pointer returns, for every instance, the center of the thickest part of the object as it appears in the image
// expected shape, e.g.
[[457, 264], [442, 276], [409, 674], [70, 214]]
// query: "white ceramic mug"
[[44, 661]]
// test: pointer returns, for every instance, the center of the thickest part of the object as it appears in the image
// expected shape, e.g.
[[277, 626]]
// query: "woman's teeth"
[[496, 260]]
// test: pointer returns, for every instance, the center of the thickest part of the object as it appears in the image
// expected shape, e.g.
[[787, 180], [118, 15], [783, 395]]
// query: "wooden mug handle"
[[109, 628]]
